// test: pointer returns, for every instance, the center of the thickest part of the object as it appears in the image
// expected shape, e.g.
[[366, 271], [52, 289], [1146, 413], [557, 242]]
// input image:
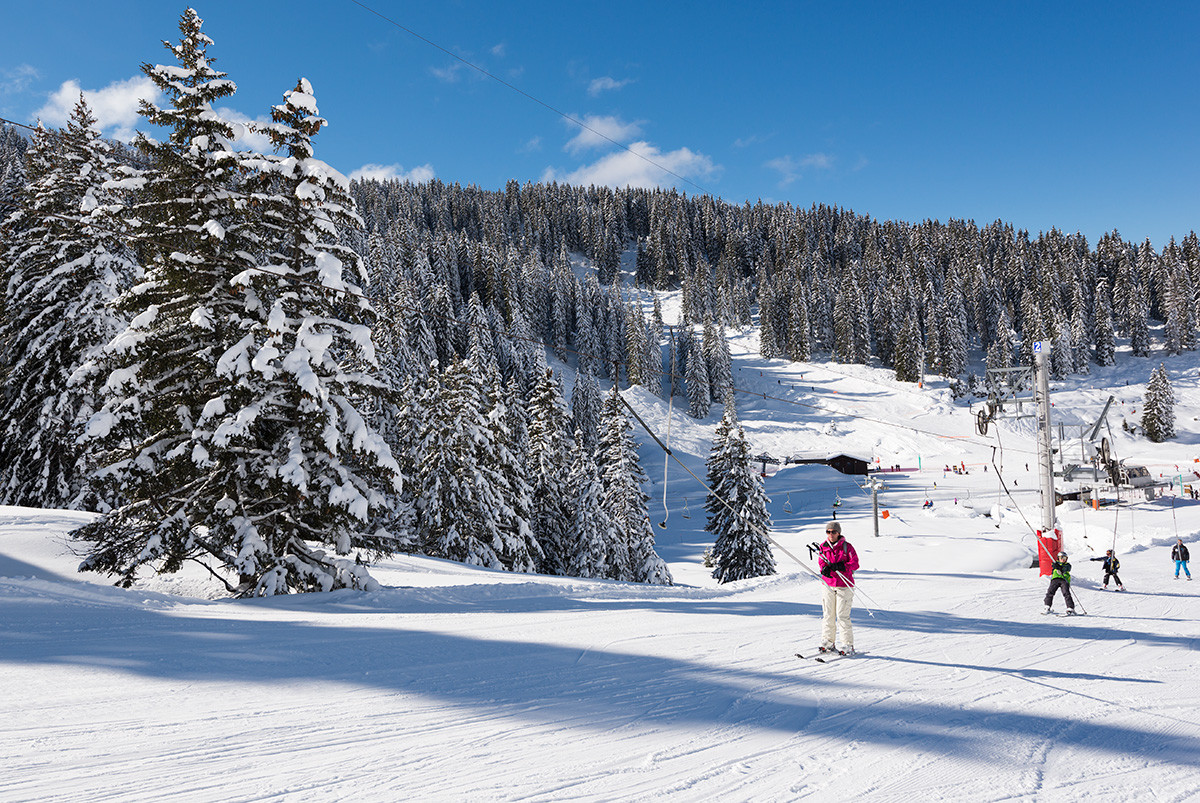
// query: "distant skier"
[[1179, 554], [1110, 566], [838, 562], [1060, 577]]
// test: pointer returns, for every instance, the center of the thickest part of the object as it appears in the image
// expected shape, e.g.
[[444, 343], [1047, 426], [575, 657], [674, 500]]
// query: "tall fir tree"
[[737, 506], [624, 497], [63, 263], [720, 362], [550, 450], [1103, 332], [294, 425], [1158, 408], [910, 352], [1139, 321], [595, 547], [173, 373], [586, 403], [464, 508], [699, 387]]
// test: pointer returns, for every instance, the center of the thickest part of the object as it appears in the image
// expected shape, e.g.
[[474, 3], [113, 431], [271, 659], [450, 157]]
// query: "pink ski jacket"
[[840, 551]]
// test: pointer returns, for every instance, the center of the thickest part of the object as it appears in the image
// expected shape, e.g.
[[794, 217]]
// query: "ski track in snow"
[[455, 683]]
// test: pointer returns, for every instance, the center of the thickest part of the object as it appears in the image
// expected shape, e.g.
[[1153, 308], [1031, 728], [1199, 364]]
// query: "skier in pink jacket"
[[838, 562]]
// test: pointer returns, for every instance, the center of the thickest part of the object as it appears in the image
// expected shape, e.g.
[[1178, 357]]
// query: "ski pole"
[[846, 580], [1079, 602]]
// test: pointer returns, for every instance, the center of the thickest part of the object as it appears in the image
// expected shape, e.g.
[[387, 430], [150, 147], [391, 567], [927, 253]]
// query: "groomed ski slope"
[[455, 683]]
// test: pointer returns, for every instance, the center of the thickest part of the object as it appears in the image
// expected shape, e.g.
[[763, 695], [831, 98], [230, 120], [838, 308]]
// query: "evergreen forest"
[[245, 360]]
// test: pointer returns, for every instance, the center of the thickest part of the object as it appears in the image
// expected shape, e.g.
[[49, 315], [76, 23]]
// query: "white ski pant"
[[835, 603]]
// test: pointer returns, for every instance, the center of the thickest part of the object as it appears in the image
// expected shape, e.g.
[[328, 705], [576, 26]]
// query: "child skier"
[[1060, 577], [1110, 566]]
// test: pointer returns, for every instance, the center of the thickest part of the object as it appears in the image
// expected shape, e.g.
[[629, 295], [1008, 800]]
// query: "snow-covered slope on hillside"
[[456, 683]]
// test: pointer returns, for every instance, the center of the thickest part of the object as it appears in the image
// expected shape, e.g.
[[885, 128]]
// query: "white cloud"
[[787, 167], [532, 145], [115, 106], [605, 84], [626, 169], [820, 161], [498, 50], [448, 74], [601, 132], [791, 170], [393, 172], [17, 79], [243, 135], [753, 139]]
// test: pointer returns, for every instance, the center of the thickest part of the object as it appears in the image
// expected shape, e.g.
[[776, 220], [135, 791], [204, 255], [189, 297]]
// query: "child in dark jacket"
[[1110, 566]]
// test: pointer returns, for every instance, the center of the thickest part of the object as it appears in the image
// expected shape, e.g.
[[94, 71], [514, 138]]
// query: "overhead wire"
[[714, 495], [537, 100]]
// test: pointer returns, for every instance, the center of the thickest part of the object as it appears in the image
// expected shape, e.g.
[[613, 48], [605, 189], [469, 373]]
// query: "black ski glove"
[[839, 567], [827, 570]]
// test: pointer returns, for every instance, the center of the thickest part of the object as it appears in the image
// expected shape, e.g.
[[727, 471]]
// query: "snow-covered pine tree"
[[1158, 408], [562, 302], [481, 348], [624, 499], [295, 425], [910, 352], [13, 178], [548, 467], [64, 261], [768, 323], [1103, 333], [180, 362], [595, 547], [505, 459], [586, 404], [699, 388], [635, 345], [720, 362], [954, 340], [1062, 355], [462, 513], [799, 341], [1139, 323], [846, 307], [587, 342], [737, 506], [439, 314]]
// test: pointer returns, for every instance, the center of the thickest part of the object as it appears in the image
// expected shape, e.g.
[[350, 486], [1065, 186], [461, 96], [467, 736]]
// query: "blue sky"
[[1084, 116]]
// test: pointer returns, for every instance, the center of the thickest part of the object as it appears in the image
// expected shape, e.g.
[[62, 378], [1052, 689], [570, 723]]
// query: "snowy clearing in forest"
[[454, 683]]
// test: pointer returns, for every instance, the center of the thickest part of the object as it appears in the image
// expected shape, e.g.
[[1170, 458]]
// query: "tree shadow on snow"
[[543, 684], [1044, 628]]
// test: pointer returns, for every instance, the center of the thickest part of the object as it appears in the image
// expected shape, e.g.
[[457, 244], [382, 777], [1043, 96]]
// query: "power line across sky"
[[971, 115]]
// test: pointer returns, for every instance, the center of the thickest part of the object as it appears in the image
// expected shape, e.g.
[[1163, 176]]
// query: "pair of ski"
[[825, 656]]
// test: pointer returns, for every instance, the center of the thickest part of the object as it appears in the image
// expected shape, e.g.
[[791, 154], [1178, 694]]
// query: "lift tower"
[[1049, 538]]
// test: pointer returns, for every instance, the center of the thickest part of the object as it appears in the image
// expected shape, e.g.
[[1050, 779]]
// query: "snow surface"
[[459, 683]]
